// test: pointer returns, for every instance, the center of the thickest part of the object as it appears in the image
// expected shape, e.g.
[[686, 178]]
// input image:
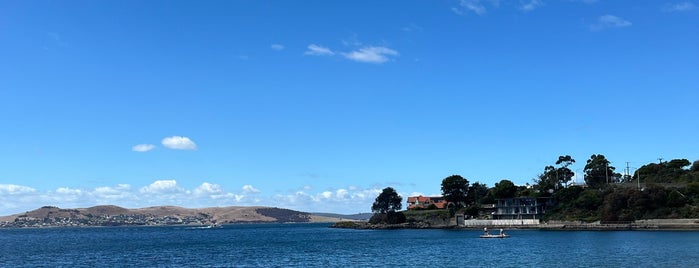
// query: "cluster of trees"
[[671, 190], [673, 171]]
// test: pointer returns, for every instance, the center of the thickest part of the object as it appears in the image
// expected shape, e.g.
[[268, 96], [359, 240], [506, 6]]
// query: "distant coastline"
[[108, 215]]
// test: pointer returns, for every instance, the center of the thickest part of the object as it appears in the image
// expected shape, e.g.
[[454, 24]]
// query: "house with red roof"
[[423, 202]]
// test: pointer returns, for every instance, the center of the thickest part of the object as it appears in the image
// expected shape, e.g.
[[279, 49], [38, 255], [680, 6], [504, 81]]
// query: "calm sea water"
[[316, 245]]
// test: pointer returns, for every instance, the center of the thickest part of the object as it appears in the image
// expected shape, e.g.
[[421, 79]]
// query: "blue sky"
[[318, 105]]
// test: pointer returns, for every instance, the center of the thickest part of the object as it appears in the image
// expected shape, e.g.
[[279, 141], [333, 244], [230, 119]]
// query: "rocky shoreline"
[[640, 225]]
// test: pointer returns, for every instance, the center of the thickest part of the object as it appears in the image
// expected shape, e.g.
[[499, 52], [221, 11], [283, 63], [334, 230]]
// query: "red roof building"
[[422, 202]]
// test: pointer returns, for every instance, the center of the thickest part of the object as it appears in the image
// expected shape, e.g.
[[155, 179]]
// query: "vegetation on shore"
[[664, 190]]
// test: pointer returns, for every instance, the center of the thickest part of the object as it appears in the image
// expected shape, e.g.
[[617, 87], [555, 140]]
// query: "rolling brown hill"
[[159, 215]]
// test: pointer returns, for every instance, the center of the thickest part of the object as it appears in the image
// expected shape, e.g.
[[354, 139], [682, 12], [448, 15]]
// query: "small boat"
[[488, 235], [495, 236]]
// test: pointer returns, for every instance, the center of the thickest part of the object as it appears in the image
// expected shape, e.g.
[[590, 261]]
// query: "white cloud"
[[316, 50], [531, 5], [66, 190], [341, 193], [108, 194], [340, 200], [208, 188], [679, 7], [472, 5], [162, 186], [143, 148], [249, 189], [12, 189], [277, 47], [179, 143], [371, 54], [609, 21], [326, 194], [475, 6]]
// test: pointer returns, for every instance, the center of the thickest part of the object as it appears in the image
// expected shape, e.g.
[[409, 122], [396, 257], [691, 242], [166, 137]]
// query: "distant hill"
[[109, 215]]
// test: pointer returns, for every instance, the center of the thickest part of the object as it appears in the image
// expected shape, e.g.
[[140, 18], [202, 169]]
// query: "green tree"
[[665, 172], [565, 160], [693, 174], [555, 178], [548, 181], [387, 201], [504, 189], [599, 172], [455, 189], [589, 200], [564, 174], [476, 192]]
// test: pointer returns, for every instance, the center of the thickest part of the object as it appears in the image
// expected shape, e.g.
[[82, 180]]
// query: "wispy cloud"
[[412, 28], [475, 6], [609, 21], [366, 54], [371, 54], [12, 189], [316, 50], [482, 7], [179, 143], [249, 189], [679, 7], [277, 47], [531, 5], [585, 1], [141, 148]]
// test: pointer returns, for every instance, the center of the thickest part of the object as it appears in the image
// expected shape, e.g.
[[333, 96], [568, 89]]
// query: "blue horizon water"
[[316, 245]]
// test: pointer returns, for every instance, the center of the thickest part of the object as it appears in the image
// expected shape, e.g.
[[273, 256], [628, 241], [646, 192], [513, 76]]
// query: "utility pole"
[[660, 159], [627, 171], [606, 174]]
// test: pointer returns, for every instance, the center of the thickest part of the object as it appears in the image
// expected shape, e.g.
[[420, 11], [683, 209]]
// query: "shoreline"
[[641, 225]]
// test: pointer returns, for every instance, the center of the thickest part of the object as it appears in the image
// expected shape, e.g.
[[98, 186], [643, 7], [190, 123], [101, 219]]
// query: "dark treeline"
[[668, 189]]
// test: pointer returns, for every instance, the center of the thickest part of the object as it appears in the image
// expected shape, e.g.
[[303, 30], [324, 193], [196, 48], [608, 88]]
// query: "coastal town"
[[104, 220]]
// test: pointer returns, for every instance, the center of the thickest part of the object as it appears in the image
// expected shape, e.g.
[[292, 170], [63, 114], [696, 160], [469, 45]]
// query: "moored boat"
[[488, 235], [494, 236]]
